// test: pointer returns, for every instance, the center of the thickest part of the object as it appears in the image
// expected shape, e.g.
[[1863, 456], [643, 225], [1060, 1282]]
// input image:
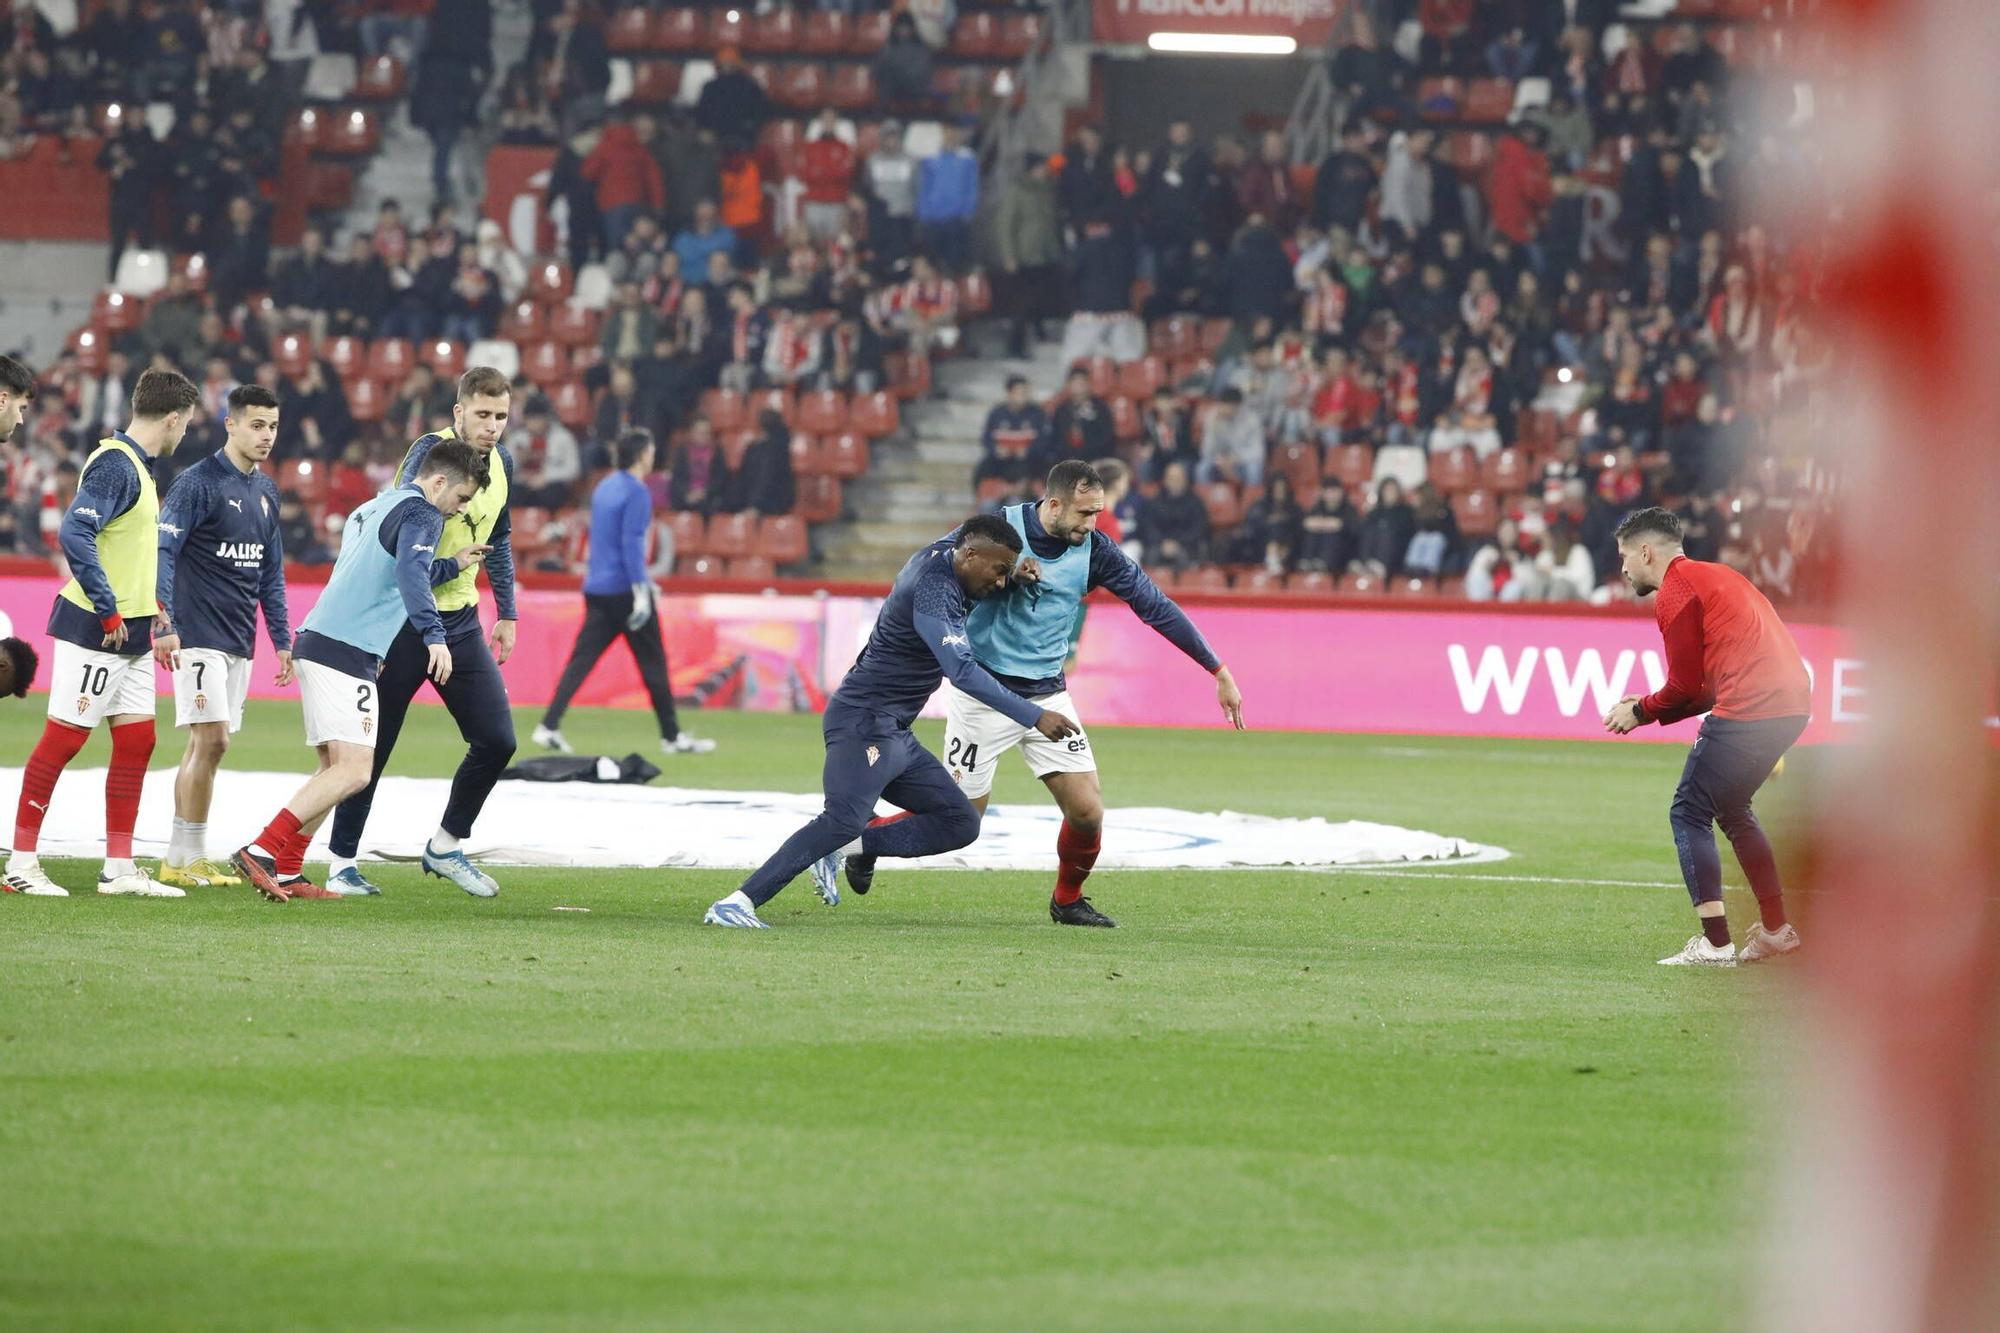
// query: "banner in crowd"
[[1418, 671], [517, 187], [1309, 22]]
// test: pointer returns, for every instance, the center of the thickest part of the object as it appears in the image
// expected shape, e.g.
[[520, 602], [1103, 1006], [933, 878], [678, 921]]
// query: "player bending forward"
[[919, 637], [1022, 637], [220, 557], [382, 581], [1728, 655]]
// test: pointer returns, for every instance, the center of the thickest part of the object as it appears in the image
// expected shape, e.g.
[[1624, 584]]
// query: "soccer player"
[[18, 661], [618, 600], [17, 390], [1022, 637], [380, 590], [103, 625], [473, 689], [220, 558], [1728, 655], [919, 638]]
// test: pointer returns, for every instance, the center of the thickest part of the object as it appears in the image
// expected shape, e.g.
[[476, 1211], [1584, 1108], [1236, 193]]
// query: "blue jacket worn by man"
[[948, 187]]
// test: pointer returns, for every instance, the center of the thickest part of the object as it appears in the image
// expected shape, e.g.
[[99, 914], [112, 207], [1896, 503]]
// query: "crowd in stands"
[[1411, 366]]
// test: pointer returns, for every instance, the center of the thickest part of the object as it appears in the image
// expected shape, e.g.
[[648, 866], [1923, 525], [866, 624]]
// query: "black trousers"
[[604, 617], [477, 697]]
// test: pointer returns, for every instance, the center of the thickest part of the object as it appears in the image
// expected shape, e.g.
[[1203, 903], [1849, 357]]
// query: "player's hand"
[[439, 669], [1624, 715], [470, 556], [502, 642], [1055, 726], [642, 607], [286, 671], [166, 650], [1029, 571], [1229, 697], [115, 639]]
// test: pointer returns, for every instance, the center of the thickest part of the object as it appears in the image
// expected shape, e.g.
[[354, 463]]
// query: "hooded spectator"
[[626, 179]]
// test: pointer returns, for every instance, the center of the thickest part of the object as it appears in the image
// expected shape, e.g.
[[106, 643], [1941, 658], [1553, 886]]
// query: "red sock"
[[1075, 857], [131, 749], [278, 834], [896, 818], [52, 753], [292, 860]]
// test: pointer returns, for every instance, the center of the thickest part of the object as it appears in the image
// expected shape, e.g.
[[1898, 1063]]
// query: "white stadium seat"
[[498, 353], [141, 272]]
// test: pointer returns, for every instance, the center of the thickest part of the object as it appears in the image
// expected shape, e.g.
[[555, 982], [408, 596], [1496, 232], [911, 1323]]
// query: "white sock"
[[24, 861], [852, 848], [741, 899], [117, 866], [188, 844], [336, 864], [443, 842]]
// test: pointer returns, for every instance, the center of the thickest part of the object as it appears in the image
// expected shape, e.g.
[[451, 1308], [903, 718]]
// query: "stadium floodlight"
[[1221, 44]]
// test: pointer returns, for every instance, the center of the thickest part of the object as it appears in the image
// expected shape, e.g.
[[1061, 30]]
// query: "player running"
[[1728, 655], [475, 694], [220, 558], [1022, 637], [103, 625], [919, 637], [380, 590]]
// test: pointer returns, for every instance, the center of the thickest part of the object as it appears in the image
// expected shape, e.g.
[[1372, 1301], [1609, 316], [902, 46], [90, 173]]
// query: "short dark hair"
[[455, 459], [1016, 381], [250, 395], [992, 528], [1231, 395], [1656, 522], [161, 393], [25, 662], [630, 446], [18, 380], [483, 382], [1072, 475]]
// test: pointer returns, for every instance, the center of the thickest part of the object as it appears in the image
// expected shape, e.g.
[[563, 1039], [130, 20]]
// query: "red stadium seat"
[[1299, 464], [329, 187], [974, 37], [1260, 581], [390, 359], [775, 33], [1489, 99], [115, 312], [992, 491], [724, 409], [1440, 98], [822, 412], [761, 401], [1316, 583], [1363, 585], [734, 445], [781, 539], [1224, 509], [524, 322], [352, 132], [445, 357], [1455, 471], [312, 481], [778, 146], [762, 72], [1165, 576], [347, 355], [728, 27], [546, 363], [1352, 465], [380, 79], [869, 33], [308, 126], [1175, 336], [1477, 514], [909, 375], [194, 267], [293, 352], [752, 568], [851, 87], [574, 325], [976, 294], [1507, 471], [1203, 578], [819, 499], [571, 402], [681, 30], [655, 82], [551, 282], [690, 533], [808, 457], [1214, 333], [874, 414], [630, 31], [825, 33], [366, 399], [800, 86], [1019, 34], [1103, 375], [846, 454], [1141, 379], [92, 351], [1413, 585]]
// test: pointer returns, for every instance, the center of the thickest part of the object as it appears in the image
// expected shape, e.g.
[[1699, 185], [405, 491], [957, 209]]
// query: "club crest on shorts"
[[83, 706], [874, 752], [367, 726], [201, 703], [958, 776]]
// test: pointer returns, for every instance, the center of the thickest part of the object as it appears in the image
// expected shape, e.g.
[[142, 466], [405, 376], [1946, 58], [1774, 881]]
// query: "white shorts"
[[210, 686], [338, 707], [86, 685], [975, 736]]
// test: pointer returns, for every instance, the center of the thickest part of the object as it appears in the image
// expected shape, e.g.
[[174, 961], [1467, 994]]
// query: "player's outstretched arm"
[[952, 647]]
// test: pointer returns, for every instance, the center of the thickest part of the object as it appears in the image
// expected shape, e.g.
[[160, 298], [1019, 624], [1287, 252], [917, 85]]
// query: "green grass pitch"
[[1272, 1099]]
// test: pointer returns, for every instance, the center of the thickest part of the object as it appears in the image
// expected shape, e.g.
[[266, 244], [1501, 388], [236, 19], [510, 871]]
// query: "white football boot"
[[1700, 953], [1764, 945]]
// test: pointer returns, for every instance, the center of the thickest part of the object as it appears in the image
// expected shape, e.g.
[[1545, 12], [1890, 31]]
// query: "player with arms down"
[[1022, 637], [1728, 655], [221, 556], [919, 638], [380, 585]]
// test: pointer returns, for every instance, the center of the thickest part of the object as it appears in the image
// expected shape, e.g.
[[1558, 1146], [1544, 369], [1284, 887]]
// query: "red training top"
[[1727, 651]]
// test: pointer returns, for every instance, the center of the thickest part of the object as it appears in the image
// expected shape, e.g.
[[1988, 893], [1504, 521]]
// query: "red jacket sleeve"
[[1684, 695]]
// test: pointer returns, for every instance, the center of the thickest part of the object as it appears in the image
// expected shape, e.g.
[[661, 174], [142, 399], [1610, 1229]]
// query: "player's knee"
[[1689, 811], [961, 825], [211, 742]]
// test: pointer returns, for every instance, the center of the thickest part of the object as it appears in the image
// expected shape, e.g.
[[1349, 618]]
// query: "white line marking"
[[1521, 879]]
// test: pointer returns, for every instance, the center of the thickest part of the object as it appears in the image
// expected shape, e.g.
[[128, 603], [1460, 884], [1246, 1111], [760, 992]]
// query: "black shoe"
[[860, 873], [1079, 913]]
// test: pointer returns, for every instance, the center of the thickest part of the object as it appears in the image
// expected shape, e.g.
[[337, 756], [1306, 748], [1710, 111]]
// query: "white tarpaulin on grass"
[[582, 824]]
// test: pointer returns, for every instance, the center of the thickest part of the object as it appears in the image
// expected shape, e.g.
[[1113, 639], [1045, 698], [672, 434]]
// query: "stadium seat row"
[[779, 538], [817, 33]]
